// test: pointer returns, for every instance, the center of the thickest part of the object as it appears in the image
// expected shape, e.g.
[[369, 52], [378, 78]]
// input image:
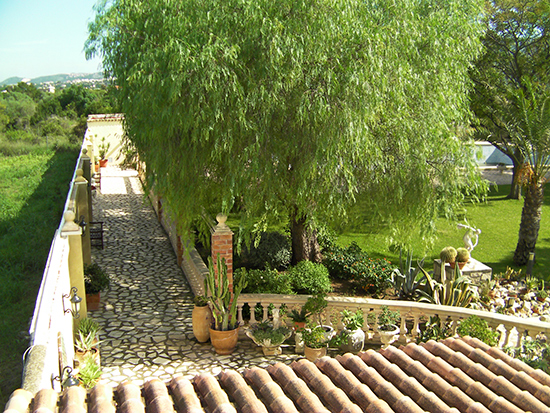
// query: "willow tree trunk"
[[530, 222], [305, 245]]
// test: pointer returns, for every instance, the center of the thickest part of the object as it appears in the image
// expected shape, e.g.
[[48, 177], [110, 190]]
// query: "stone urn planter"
[[268, 337], [387, 334], [202, 319], [224, 342], [354, 341]]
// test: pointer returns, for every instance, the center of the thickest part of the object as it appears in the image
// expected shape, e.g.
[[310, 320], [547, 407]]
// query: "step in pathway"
[[145, 315]]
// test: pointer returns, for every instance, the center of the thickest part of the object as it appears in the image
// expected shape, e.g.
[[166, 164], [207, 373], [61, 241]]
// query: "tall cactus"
[[224, 304]]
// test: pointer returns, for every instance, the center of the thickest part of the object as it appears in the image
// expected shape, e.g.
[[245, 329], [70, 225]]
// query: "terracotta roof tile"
[[184, 395], [456, 375], [270, 392], [216, 399], [73, 400], [359, 392], [129, 398], [101, 399], [296, 388], [238, 390], [333, 396]]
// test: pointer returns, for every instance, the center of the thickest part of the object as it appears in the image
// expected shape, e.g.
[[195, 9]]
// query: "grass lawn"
[[33, 189], [498, 219]]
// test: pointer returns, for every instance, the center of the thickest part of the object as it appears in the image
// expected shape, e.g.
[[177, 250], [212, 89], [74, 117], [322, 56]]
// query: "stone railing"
[[51, 345], [512, 329]]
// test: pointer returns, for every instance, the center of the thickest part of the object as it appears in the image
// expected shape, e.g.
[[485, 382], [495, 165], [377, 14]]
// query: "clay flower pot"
[[313, 354], [224, 342], [202, 320]]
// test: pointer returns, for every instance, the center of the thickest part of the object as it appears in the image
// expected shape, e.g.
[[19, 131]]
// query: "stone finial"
[[70, 225], [221, 218], [79, 176]]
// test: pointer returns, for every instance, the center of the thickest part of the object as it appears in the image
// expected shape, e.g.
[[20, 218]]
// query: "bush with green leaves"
[[476, 327], [272, 251], [266, 281], [309, 278], [352, 263], [534, 352]]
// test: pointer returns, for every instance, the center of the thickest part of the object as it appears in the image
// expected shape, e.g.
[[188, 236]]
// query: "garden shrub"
[[476, 327], [266, 281], [272, 251], [534, 352], [351, 263], [310, 278]]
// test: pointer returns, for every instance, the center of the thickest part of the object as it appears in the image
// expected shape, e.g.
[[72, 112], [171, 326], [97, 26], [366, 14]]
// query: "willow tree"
[[290, 108]]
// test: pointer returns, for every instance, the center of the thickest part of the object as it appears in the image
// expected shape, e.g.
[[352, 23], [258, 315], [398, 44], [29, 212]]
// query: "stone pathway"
[[145, 316]]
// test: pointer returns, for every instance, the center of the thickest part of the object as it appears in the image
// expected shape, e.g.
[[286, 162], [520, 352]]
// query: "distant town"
[[61, 81]]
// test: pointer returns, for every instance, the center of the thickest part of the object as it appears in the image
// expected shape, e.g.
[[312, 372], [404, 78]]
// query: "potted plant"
[[95, 281], [224, 331], [314, 307], [202, 319], [268, 337], [299, 318], [387, 325], [86, 345], [447, 254], [542, 294], [103, 149], [352, 337], [315, 342], [462, 257], [89, 373]]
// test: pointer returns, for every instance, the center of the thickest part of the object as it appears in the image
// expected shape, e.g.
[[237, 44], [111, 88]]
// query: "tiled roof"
[[454, 375]]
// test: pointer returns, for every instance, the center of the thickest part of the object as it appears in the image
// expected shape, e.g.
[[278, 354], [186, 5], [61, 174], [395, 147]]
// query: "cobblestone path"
[[145, 316]]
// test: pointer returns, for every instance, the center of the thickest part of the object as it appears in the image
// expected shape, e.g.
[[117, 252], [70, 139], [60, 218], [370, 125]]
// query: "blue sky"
[[44, 37]]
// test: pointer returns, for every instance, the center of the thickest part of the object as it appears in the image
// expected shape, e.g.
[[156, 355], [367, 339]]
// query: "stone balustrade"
[[512, 329]]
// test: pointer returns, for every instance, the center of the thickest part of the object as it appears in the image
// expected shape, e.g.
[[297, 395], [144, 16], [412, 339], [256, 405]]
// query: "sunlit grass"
[[33, 189]]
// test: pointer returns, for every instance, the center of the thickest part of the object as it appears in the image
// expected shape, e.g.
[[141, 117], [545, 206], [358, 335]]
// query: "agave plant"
[[455, 290], [224, 304], [408, 281]]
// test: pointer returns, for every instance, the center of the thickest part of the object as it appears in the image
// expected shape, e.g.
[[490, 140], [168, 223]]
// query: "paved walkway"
[[146, 314]]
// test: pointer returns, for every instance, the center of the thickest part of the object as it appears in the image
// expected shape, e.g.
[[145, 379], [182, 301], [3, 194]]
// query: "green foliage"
[[434, 329], [200, 301], [89, 373], [265, 334], [388, 317], [272, 251], [462, 254], [535, 353], [84, 342], [448, 254], [353, 321], [315, 337], [266, 281], [309, 278], [455, 290], [297, 106], [408, 281], [352, 263], [95, 278], [224, 304], [88, 326], [475, 327]]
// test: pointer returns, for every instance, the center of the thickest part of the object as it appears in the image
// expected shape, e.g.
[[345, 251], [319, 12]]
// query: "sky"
[[44, 37]]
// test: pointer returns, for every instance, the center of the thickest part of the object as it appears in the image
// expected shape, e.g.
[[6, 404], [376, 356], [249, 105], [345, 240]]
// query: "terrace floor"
[[145, 316]]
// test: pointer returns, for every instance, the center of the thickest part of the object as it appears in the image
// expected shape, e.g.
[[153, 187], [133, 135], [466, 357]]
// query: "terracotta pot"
[[80, 356], [313, 354], [453, 264], [224, 342], [202, 320], [461, 265], [103, 163], [96, 167], [92, 301]]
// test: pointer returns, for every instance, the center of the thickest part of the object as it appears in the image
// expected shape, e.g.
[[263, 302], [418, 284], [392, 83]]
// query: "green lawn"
[[498, 219], [33, 189]]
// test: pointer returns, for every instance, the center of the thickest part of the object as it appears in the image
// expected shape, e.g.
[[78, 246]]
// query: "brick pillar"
[[222, 244]]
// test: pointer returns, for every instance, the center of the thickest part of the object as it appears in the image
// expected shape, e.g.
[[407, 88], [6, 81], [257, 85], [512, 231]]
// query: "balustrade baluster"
[[240, 313]]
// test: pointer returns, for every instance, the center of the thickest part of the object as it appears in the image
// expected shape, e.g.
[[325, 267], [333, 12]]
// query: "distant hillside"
[[60, 78]]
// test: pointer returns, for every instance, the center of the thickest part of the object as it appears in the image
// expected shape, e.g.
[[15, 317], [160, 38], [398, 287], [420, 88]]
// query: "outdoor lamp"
[[75, 303], [82, 224], [67, 381]]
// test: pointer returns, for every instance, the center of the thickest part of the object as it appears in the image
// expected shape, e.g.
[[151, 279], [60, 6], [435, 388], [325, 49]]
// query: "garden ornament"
[[471, 233]]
